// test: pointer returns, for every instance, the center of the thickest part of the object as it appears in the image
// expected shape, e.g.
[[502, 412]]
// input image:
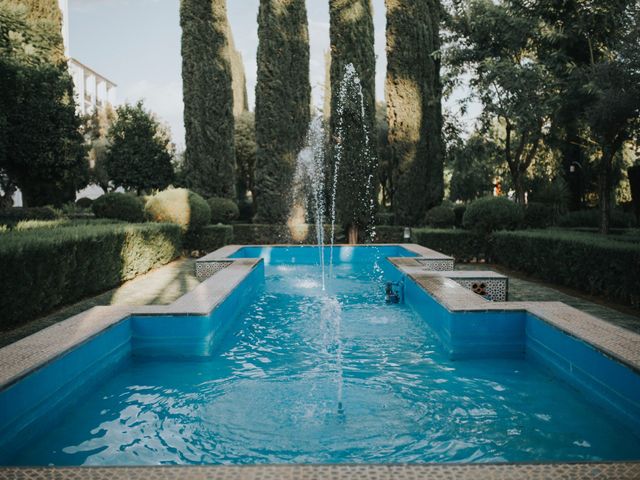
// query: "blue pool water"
[[311, 376]]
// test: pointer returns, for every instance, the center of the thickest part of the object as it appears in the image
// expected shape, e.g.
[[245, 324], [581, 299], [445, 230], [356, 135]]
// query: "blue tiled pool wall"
[[309, 255], [193, 336], [475, 335], [33, 404]]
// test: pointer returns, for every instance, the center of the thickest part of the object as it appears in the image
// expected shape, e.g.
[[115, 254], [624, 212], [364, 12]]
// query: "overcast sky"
[[136, 44]]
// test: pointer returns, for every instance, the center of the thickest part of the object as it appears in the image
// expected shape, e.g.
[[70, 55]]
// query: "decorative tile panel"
[[439, 264], [206, 269], [491, 289]]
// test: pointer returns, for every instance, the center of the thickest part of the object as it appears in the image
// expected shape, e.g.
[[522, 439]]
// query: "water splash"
[[331, 318], [309, 183], [351, 81]]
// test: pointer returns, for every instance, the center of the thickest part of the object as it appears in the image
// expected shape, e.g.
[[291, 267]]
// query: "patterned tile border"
[[35, 351], [206, 269], [517, 471]]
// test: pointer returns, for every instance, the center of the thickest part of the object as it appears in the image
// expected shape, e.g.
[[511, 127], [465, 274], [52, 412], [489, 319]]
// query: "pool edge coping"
[[451, 471], [616, 342]]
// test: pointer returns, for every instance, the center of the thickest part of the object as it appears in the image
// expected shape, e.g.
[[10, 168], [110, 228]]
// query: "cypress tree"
[[414, 112], [352, 42], [283, 96], [238, 78], [208, 98]]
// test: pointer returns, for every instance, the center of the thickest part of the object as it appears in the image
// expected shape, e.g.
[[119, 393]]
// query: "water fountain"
[[309, 184], [309, 195]]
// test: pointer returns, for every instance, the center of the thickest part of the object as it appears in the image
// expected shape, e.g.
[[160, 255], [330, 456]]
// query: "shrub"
[[13, 215], [245, 207], [538, 215], [488, 214], [119, 206], [223, 210], [458, 211], [588, 262], [259, 234], [43, 269], [440, 217], [591, 219], [84, 202], [209, 238], [389, 234], [385, 218], [463, 245], [180, 206]]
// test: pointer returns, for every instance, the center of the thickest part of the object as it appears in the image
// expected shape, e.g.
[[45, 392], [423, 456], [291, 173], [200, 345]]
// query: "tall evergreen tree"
[[414, 112], [283, 98], [238, 78], [208, 98], [354, 142]]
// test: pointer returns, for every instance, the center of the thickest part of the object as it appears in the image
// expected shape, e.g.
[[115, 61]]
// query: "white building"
[[92, 90]]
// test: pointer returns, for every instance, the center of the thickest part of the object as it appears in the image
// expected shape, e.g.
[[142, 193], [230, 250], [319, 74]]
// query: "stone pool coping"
[[34, 352], [512, 471]]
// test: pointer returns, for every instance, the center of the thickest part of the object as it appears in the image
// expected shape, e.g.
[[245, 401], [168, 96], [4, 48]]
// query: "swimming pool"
[[284, 372]]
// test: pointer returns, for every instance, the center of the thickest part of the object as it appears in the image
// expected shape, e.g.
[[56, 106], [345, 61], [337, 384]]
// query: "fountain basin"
[[248, 369]]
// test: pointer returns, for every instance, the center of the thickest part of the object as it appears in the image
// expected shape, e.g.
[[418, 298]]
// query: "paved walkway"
[[165, 284], [522, 288], [158, 287]]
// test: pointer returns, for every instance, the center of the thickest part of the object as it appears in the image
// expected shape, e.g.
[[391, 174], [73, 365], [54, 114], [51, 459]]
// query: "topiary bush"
[[440, 217], [180, 206], [84, 202], [223, 210], [489, 214], [45, 268], [119, 206]]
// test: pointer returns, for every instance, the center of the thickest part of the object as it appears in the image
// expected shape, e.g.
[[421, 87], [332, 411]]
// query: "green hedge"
[[209, 238], [389, 234], [463, 245], [262, 234], [43, 269], [180, 206], [13, 215], [592, 264], [119, 206]]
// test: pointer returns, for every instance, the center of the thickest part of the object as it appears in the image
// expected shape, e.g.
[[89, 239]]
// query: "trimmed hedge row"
[[581, 261], [389, 234], [209, 238], [43, 269], [463, 245], [13, 215], [259, 234]]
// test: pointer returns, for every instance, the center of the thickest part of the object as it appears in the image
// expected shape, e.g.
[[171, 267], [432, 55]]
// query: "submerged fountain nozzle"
[[392, 295]]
